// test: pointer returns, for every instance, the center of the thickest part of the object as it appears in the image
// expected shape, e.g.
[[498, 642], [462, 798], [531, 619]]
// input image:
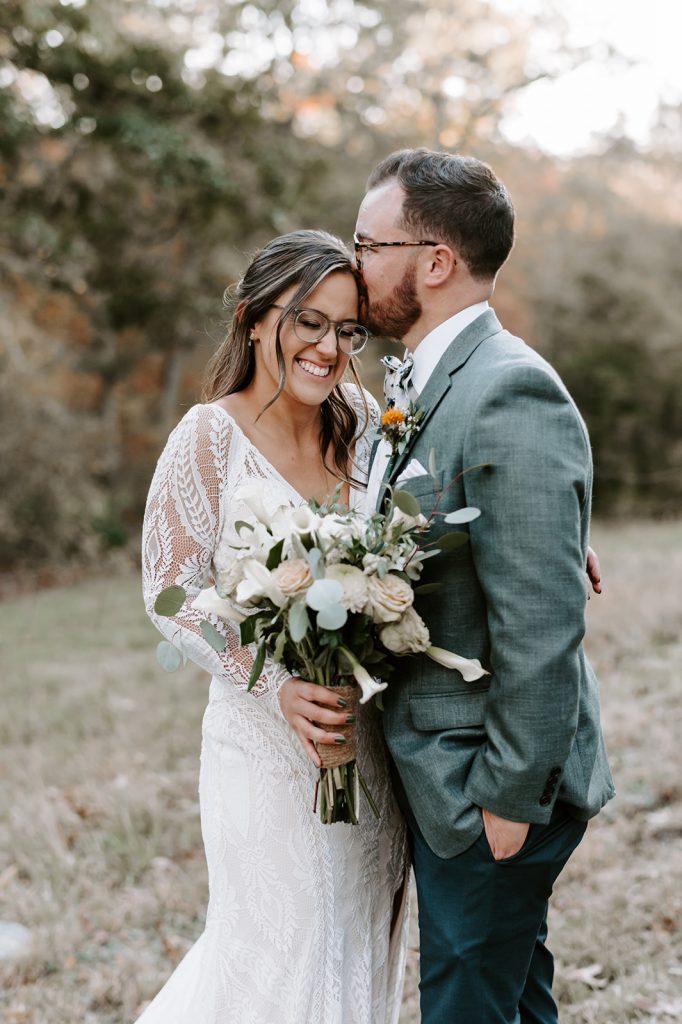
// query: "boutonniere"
[[399, 426]]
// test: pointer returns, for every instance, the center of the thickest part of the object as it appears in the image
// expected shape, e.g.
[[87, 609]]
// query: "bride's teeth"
[[316, 371]]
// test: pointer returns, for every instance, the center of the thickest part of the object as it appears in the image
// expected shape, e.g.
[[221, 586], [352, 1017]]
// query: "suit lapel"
[[440, 381]]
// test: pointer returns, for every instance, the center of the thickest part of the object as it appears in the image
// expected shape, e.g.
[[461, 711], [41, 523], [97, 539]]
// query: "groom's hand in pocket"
[[505, 838]]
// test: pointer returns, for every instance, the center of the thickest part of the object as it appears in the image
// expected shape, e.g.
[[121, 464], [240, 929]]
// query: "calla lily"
[[258, 582], [263, 505], [303, 520], [470, 668], [210, 602], [368, 684]]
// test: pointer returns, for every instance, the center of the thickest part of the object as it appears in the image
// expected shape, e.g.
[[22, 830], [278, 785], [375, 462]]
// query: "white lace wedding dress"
[[299, 921]]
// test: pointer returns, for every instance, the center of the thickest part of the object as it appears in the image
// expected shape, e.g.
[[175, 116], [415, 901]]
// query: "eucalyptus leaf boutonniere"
[[399, 426]]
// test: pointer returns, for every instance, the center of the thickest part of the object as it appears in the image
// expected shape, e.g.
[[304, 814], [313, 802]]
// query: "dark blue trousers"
[[483, 925]]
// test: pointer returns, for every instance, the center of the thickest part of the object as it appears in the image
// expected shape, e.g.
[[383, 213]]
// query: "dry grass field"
[[100, 848]]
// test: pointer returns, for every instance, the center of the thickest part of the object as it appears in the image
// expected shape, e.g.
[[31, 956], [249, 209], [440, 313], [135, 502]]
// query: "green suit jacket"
[[515, 741]]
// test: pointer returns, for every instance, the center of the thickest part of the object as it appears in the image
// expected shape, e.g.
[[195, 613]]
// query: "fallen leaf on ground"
[[587, 975]]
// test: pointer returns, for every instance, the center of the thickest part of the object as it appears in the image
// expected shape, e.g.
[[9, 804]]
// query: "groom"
[[498, 777]]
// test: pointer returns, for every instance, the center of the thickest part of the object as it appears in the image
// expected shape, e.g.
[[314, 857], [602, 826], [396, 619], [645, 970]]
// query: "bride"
[[306, 922]]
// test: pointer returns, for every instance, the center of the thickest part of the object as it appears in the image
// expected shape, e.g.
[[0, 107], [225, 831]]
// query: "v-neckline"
[[215, 405]]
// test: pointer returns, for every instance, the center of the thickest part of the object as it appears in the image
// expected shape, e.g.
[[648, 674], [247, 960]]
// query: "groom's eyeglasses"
[[373, 246], [311, 326]]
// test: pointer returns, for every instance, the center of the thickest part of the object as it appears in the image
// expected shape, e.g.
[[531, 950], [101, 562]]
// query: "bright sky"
[[563, 116]]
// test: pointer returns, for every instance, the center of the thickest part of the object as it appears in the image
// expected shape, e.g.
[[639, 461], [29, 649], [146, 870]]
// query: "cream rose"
[[408, 635], [354, 583], [389, 598], [293, 576]]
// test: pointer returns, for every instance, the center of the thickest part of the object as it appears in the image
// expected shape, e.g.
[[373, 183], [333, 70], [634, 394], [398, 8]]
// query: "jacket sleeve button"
[[545, 799]]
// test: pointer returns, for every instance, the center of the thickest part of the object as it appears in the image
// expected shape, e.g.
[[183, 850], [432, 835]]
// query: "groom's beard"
[[393, 317]]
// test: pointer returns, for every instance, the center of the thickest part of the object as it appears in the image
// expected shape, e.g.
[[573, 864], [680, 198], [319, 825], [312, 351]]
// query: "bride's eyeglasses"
[[311, 326]]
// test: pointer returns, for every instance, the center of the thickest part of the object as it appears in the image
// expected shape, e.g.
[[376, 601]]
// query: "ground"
[[100, 854]]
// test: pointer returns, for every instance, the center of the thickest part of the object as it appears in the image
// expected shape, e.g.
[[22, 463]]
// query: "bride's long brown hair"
[[303, 259]]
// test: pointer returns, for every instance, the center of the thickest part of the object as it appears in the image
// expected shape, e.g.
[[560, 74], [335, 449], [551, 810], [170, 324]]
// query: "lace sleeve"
[[182, 524]]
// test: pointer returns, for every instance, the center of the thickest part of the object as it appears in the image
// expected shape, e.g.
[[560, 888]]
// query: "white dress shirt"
[[426, 357]]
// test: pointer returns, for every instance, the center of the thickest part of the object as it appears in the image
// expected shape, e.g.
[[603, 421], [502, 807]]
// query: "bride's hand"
[[594, 570], [304, 704]]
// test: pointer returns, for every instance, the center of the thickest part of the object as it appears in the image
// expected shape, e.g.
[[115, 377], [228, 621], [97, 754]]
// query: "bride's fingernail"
[[350, 719], [339, 739], [341, 702]]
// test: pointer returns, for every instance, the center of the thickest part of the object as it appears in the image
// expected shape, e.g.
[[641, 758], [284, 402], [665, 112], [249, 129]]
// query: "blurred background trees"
[[148, 146]]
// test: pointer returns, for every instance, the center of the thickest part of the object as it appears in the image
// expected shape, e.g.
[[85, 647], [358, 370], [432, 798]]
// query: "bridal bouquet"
[[329, 593]]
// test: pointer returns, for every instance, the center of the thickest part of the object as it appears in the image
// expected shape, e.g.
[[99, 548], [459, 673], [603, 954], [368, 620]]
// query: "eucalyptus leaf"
[[462, 515], [433, 468], [247, 630], [452, 541], [211, 635], [428, 588], [169, 657], [170, 601], [275, 555], [314, 557], [324, 593], [333, 616], [299, 623], [423, 555], [407, 503], [257, 666]]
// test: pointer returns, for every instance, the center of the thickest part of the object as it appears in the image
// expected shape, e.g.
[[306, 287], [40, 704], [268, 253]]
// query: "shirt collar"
[[428, 352]]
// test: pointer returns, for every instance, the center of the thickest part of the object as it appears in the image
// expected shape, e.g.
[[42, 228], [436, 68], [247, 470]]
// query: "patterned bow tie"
[[397, 381]]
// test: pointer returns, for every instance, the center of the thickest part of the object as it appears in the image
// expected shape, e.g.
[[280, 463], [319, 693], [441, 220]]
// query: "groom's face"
[[389, 272]]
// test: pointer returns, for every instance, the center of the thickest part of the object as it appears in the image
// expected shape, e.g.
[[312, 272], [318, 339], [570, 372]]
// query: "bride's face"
[[312, 369]]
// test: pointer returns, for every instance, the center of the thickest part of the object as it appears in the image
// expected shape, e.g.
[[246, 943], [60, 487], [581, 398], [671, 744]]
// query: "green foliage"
[[47, 501], [169, 657], [406, 502], [136, 188], [452, 541], [610, 319], [212, 637], [170, 601]]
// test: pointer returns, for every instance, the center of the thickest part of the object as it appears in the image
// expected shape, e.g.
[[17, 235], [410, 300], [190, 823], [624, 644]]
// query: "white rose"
[[408, 635], [293, 576], [258, 583], [354, 583], [389, 598], [336, 530]]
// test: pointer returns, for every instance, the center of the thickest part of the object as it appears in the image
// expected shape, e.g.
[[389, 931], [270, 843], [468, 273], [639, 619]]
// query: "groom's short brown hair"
[[453, 199]]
